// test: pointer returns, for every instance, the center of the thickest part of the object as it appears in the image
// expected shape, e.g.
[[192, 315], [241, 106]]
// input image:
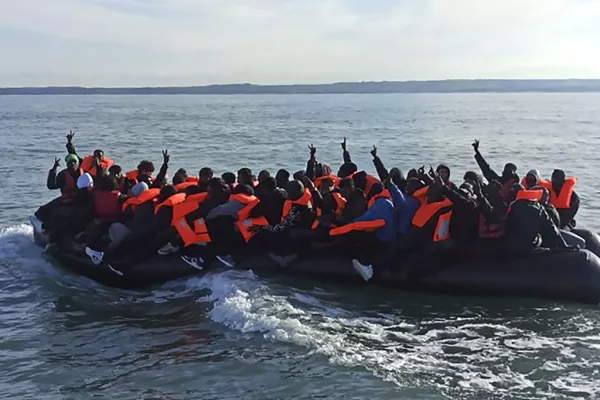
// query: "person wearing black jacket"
[[567, 215], [509, 175], [465, 213], [529, 226], [271, 203]]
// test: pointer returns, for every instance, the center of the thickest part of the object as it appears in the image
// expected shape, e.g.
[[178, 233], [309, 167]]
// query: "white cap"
[[85, 181]]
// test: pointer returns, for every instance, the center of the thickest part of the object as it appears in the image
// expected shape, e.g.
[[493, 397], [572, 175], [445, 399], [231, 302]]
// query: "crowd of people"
[[122, 218]]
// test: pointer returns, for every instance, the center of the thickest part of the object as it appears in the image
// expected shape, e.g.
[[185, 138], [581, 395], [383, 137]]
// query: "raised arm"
[[383, 173], [346, 154], [486, 170]]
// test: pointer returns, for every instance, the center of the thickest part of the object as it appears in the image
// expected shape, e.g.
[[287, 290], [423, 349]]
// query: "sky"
[[198, 42]]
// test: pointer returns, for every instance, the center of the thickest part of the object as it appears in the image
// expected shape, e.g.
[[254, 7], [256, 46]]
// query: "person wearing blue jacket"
[[398, 214]]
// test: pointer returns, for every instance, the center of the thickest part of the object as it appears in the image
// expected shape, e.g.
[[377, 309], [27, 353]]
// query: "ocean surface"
[[233, 335]]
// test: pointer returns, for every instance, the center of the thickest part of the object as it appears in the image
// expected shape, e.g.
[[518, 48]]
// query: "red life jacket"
[[88, 161], [194, 179], [107, 204], [68, 191], [491, 230]]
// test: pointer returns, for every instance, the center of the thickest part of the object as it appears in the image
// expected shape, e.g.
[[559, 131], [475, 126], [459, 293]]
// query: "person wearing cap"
[[65, 181], [509, 175]]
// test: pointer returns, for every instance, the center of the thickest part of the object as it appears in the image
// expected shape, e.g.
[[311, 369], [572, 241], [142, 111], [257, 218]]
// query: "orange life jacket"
[[199, 232], [170, 202], [133, 176], [147, 195], [304, 200], [180, 187], [562, 200], [534, 195], [385, 195], [440, 209], [543, 183], [365, 226], [421, 194], [244, 222], [191, 204], [371, 180], [339, 209], [87, 162], [319, 180], [194, 179]]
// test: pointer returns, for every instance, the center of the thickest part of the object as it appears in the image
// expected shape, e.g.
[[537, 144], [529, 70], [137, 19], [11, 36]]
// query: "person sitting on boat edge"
[[529, 227], [66, 181], [564, 198]]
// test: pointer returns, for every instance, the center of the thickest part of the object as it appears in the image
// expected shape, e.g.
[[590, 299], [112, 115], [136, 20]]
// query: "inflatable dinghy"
[[572, 275]]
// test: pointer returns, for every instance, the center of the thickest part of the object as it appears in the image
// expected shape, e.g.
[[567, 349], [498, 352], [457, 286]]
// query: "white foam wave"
[[473, 357]]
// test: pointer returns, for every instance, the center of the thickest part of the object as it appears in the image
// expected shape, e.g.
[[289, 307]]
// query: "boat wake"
[[506, 349]]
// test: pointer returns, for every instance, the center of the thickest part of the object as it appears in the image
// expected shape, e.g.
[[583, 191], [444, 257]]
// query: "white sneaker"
[[96, 256], [365, 271], [36, 223], [168, 249], [196, 262], [226, 260]]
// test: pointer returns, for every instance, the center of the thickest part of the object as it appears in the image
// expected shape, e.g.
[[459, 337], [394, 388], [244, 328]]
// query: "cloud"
[[125, 42]]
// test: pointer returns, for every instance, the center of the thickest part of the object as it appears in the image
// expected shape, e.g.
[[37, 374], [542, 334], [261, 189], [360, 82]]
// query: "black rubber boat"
[[572, 275], [155, 271]]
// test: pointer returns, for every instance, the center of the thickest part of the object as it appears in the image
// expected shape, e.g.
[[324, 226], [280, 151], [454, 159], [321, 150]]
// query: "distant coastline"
[[440, 86]]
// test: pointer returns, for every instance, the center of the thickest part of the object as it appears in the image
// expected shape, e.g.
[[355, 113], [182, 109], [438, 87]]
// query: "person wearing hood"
[[271, 203], [529, 226], [493, 214], [464, 224], [564, 198], [444, 172], [509, 175], [282, 178]]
